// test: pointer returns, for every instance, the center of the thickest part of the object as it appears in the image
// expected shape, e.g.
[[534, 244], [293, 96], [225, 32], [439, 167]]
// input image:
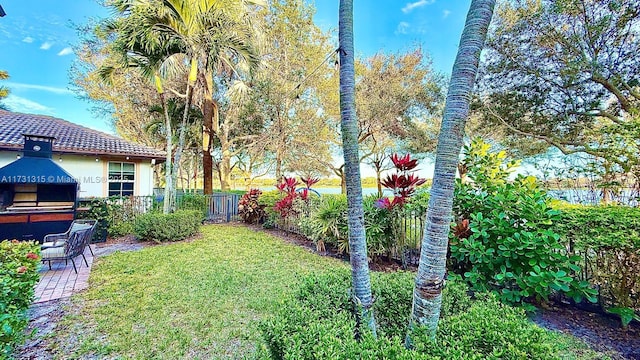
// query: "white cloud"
[[51, 89], [28, 40], [20, 104], [46, 46], [446, 13], [420, 3], [402, 28], [65, 51]]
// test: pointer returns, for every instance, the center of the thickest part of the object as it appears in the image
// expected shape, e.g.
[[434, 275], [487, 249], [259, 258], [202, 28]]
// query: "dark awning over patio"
[[34, 170]]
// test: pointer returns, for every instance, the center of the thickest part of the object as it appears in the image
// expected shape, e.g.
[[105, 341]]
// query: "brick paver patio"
[[61, 281]]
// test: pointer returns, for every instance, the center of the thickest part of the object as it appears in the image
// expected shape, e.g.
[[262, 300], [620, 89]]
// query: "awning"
[[34, 170]]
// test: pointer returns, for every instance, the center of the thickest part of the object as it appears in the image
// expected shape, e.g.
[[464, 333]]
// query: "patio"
[[61, 281]]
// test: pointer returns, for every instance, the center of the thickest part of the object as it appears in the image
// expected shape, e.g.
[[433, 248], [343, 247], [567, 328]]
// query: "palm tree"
[[4, 92], [430, 279], [135, 46], [215, 38], [218, 39], [360, 280]]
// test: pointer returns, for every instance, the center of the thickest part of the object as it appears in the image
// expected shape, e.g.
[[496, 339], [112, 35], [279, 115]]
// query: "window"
[[121, 178]]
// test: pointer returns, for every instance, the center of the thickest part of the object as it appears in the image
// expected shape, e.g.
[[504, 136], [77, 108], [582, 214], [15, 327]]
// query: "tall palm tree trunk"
[[207, 146], [183, 129], [193, 73], [168, 178], [357, 241], [430, 279]]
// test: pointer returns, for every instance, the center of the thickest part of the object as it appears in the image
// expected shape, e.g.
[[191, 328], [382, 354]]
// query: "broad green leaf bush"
[[607, 241], [193, 202], [268, 200], [18, 275], [317, 323], [504, 240], [168, 227]]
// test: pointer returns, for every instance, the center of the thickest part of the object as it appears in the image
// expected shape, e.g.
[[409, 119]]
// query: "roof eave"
[[159, 157]]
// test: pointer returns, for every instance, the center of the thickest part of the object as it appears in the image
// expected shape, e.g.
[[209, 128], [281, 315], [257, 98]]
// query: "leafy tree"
[[284, 99], [213, 40], [567, 73], [4, 92], [430, 279], [397, 96], [361, 282]]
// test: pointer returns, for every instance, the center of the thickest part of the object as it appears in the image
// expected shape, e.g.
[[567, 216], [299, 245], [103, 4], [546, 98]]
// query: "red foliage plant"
[[403, 183], [249, 208], [288, 186]]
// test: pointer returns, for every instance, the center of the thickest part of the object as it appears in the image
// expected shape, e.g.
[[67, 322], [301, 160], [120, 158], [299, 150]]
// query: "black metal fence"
[[218, 207]]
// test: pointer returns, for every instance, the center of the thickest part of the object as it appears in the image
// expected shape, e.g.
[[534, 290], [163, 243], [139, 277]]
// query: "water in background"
[[334, 190], [574, 196]]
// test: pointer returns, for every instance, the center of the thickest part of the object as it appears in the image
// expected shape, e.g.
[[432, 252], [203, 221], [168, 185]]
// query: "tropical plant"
[[430, 278], [250, 209], [403, 184], [504, 239], [361, 284], [137, 46], [4, 92]]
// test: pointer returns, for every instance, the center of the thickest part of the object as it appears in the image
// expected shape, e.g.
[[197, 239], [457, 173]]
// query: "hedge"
[[317, 323], [18, 276], [168, 227], [607, 240]]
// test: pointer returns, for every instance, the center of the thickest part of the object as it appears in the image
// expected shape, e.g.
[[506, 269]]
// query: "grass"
[[195, 300], [191, 300]]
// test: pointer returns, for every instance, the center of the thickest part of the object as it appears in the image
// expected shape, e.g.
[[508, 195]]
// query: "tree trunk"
[[225, 167], [209, 129], [178, 155], [357, 240], [168, 186], [191, 79], [278, 166], [427, 294], [379, 180]]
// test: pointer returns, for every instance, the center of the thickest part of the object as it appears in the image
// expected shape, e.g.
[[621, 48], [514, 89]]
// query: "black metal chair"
[[57, 240], [72, 248]]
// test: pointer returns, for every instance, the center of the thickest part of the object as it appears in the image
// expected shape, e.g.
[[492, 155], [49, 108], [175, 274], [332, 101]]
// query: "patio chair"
[[57, 240], [70, 249]]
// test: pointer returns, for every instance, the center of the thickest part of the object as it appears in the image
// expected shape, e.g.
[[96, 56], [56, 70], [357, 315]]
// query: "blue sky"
[[37, 39]]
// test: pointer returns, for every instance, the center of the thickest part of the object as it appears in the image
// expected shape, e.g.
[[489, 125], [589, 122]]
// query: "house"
[[102, 164]]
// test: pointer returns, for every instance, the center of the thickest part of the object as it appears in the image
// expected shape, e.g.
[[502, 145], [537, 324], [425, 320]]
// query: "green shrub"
[[268, 201], [607, 240], [18, 276], [504, 240], [168, 227], [317, 323], [379, 228], [193, 202], [122, 228], [329, 222]]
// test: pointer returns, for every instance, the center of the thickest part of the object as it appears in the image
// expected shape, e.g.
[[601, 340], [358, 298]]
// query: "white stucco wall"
[[92, 175]]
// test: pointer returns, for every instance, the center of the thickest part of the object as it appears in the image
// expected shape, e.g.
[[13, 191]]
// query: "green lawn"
[[201, 299], [195, 300]]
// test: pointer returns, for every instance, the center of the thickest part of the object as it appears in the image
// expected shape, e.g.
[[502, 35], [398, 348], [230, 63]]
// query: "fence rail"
[[218, 207]]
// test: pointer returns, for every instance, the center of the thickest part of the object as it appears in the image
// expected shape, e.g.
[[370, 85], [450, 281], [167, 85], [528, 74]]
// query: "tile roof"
[[70, 137]]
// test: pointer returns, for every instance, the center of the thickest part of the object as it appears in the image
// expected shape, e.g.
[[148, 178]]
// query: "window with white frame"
[[121, 178]]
